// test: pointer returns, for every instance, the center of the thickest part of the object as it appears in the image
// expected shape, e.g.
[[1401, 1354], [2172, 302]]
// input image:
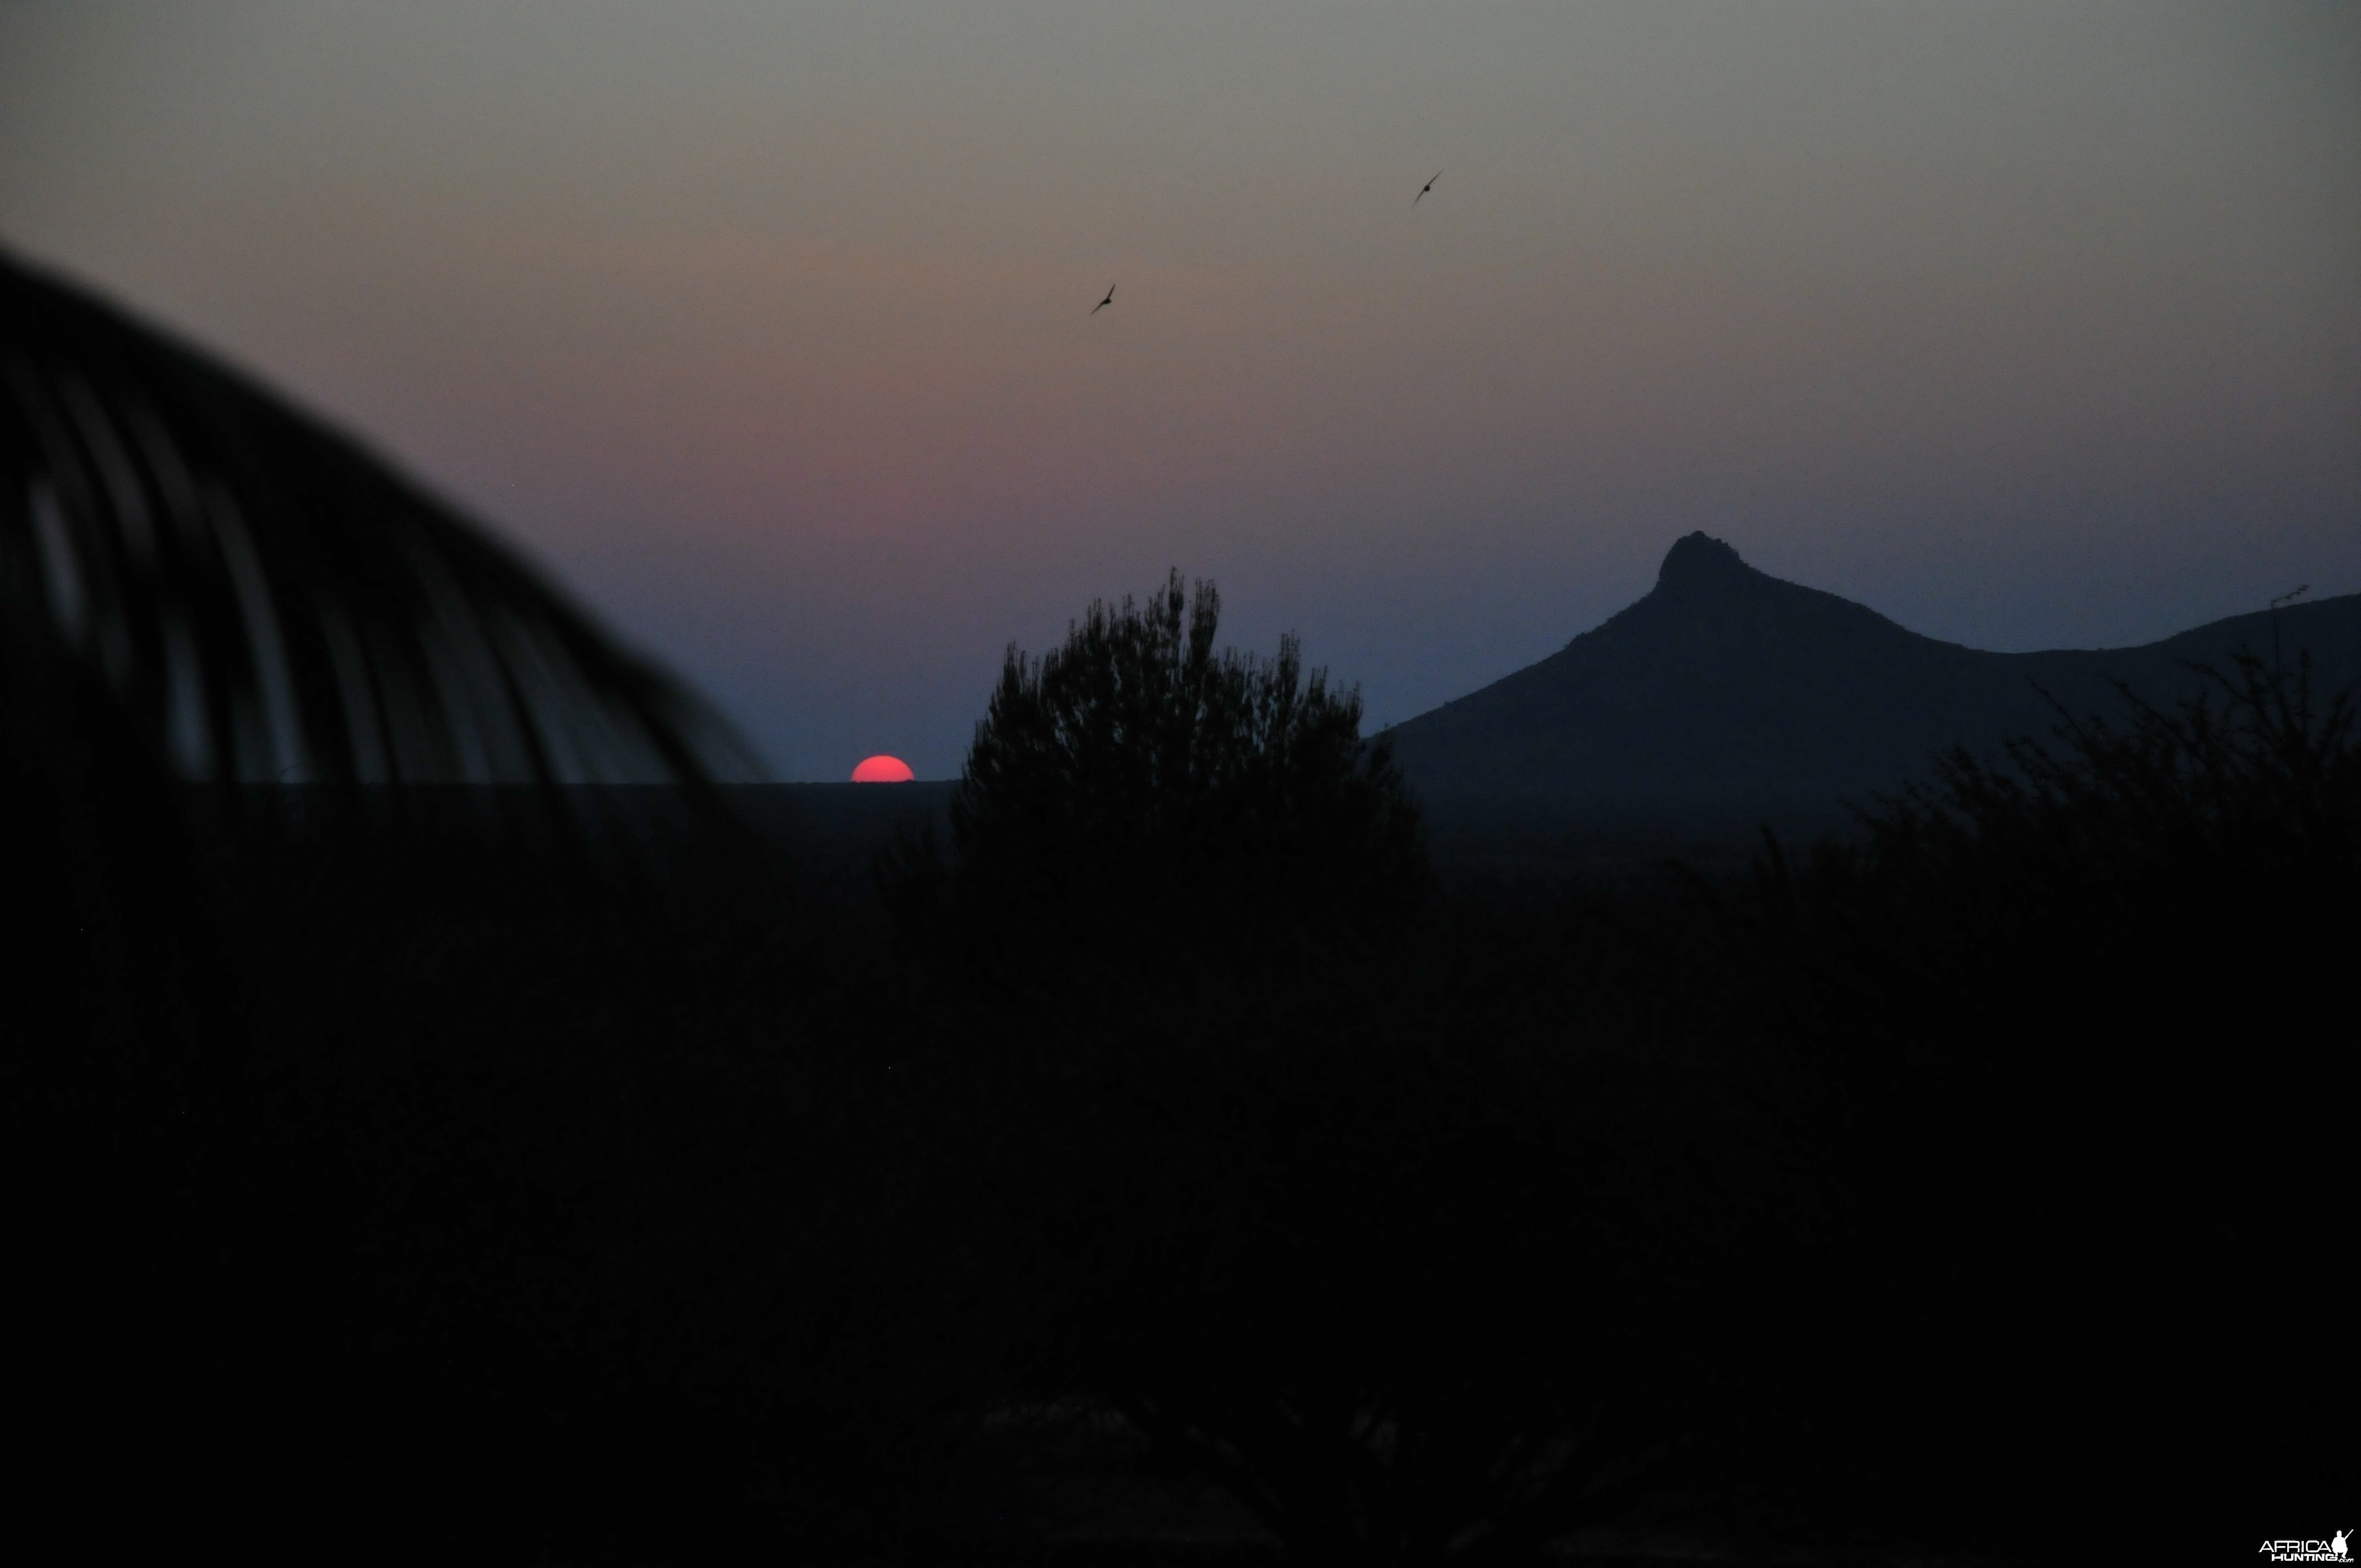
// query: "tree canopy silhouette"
[[1136, 791], [1271, 1175]]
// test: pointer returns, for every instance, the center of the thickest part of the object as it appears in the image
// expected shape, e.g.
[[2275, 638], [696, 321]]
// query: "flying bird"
[[1103, 305], [1422, 190]]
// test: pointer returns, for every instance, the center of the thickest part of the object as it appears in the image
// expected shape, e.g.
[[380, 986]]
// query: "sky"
[[765, 329]]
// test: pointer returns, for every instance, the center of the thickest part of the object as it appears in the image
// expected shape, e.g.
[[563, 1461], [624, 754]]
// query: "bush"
[[2061, 1018], [1137, 805], [1274, 1164]]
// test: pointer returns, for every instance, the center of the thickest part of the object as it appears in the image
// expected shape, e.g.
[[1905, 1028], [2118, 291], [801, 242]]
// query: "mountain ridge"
[[1726, 686]]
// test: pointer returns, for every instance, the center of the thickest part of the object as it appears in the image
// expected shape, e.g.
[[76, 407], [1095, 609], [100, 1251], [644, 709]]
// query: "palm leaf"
[[266, 601]]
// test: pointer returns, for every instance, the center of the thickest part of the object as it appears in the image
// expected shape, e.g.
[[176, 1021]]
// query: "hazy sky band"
[[767, 325]]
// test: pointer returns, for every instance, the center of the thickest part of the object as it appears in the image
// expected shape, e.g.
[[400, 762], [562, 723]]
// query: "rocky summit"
[[1726, 688]]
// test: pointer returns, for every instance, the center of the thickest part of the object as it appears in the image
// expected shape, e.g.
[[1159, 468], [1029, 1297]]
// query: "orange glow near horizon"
[[882, 770]]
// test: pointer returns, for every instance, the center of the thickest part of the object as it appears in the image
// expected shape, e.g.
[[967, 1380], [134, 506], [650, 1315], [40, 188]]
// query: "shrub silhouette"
[[1137, 792], [1271, 1164], [2050, 1009]]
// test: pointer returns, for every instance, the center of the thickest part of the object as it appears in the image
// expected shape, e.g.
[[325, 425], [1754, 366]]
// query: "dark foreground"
[[459, 1179]]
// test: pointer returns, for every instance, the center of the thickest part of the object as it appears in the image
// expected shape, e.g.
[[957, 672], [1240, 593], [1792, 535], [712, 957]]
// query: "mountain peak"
[[1699, 561], [1729, 689]]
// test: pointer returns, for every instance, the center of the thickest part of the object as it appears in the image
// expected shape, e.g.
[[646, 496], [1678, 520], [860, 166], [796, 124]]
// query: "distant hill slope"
[[1726, 688]]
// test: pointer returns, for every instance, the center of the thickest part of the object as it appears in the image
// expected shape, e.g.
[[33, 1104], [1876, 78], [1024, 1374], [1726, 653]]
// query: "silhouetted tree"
[[1139, 801], [1272, 1163]]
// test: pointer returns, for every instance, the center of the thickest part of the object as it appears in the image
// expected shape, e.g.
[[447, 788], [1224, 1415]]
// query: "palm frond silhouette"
[[205, 592], [266, 602]]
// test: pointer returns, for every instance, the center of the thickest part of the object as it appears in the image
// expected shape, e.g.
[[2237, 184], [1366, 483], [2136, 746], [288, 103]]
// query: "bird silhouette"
[[1422, 190], [1103, 305]]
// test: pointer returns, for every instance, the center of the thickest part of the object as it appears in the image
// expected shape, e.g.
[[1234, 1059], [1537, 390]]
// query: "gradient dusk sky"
[[764, 327]]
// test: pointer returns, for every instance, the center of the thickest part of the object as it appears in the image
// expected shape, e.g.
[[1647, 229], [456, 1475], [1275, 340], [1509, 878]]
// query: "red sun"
[[882, 770]]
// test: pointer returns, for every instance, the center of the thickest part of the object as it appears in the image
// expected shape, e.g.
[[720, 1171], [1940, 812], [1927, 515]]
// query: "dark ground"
[[1485, 845], [511, 1133]]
